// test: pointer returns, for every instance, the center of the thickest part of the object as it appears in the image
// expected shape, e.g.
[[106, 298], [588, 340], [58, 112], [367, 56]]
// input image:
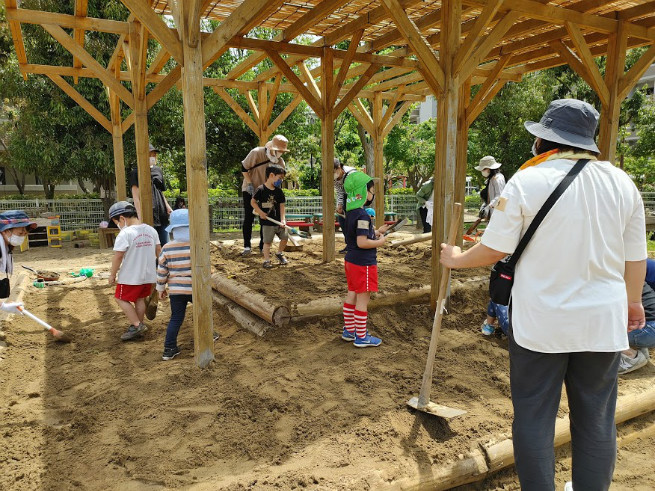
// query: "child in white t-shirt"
[[135, 247]]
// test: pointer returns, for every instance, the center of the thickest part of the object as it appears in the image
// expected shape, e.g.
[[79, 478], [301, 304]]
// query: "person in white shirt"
[[578, 281], [494, 185], [136, 250]]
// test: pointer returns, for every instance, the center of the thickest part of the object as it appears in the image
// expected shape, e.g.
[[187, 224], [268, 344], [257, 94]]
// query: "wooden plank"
[[164, 86], [159, 62], [360, 113], [473, 37], [82, 102], [573, 61], [28, 16], [81, 10], [309, 79], [392, 106], [271, 104], [407, 105], [345, 64], [483, 48], [473, 112], [286, 112], [16, 34], [378, 155], [262, 99], [630, 78], [293, 78], [356, 89], [157, 27], [327, 155], [192, 11], [238, 110], [127, 122], [587, 58], [117, 143], [462, 151], [103, 74], [252, 105], [489, 82], [429, 21], [432, 70]]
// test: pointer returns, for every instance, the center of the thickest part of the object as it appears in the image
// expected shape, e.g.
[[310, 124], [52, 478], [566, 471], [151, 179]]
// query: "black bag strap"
[[548, 204]]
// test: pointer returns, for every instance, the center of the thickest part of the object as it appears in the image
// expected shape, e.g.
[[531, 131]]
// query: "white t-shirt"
[[139, 266], [569, 294]]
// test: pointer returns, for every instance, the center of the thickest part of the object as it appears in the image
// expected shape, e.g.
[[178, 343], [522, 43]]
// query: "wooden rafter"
[[29, 16], [82, 102], [396, 118], [587, 59], [286, 112], [360, 113], [473, 36], [636, 71], [238, 110], [81, 9], [309, 79], [271, 103], [352, 93], [386, 117], [345, 65]]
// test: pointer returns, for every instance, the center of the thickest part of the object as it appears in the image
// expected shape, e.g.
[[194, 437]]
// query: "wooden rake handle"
[[426, 385]]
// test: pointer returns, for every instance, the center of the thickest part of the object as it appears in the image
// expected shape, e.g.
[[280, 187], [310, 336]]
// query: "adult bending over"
[[577, 282]]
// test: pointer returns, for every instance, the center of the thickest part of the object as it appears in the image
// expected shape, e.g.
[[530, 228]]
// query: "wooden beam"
[[252, 105], [345, 64], [472, 112], [81, 10], [271, 103], [286, 112], [238, 110], [192, 11], [462, 150], [630, 78], [82, 101], [360, 113], [327, 154], [378, 156], [356, 89], [157, 27], [159, 62], [103, 74], [574, 62], [473, 37], [397, 117], [587, 58], [117, 142], [164, 86], [431, 69], [128, 122], [28, 16], [309, 79], [483, 48], [492, 78], [386, 117], [262, 99], [293, 78]]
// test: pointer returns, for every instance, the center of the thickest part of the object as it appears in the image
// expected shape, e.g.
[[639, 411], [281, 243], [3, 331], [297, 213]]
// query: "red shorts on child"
[[361, 278], [131, 293]]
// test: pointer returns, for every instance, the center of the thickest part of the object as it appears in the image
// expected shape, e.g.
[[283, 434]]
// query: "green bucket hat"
[[355, 187]]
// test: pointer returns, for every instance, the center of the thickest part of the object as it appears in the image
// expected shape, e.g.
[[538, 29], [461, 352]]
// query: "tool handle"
[[474, 226], [29, 314], [285, 226], [426, 385]]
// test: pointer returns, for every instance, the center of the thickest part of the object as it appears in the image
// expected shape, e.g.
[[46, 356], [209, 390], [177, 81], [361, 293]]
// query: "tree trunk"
[[367, 145], [49, 189], [82, 186]]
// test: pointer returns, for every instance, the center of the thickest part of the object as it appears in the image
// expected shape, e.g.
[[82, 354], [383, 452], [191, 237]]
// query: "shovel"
[[422, 402], [58, 335], [398, 224], [471, 229], [293, 241]]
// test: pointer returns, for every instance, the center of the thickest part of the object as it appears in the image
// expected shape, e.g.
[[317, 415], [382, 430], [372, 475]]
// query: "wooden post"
[[117, 139], [327, 155], [446, 140], [378, 157], [136, 61], [462, 150], [609, 116], [262, 100], [196, 170]]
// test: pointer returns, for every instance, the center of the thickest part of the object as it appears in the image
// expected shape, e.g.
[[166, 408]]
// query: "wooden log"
[[258, 304], [413, 240], [243, 317], [449, 476]]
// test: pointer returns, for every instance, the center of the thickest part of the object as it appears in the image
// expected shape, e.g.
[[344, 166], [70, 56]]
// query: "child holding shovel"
[[362, 241], [174, 270], [135, 246], [268, 201]]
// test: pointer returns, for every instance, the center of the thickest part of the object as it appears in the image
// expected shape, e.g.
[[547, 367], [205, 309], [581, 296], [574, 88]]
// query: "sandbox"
[[296, 408]]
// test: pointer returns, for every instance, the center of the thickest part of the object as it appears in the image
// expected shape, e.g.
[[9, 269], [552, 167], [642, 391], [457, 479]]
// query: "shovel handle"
[[285, 226], [29, 314], [426, 385]]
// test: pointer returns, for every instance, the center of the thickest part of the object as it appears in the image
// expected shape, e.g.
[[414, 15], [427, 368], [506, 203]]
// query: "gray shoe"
[[246, 252], [628, 364], [281, 258], [645, 352], [134, 332]]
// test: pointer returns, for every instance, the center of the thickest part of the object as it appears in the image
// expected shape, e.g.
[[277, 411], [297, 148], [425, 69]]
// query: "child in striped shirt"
[[174, 269]]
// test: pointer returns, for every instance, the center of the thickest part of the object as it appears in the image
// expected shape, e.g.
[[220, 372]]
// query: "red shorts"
[[361, 278], [131, 293]]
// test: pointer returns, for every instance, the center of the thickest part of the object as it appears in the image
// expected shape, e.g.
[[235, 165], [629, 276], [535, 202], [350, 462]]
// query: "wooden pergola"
[[399, 52]]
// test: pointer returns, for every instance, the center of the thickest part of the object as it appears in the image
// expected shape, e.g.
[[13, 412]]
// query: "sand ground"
[[298, 408]]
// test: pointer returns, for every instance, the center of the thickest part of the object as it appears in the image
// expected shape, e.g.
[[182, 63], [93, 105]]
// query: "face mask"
[[369, 201], [153, 161], [16, 240], [485, 172], [272, 156], [534, 149], [278, 183], [119, 225]]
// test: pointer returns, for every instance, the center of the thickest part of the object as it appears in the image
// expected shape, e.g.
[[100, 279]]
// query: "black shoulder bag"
[[502, 274]]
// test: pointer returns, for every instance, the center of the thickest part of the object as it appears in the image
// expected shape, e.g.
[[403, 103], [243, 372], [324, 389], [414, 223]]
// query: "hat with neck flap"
[[355, 187]]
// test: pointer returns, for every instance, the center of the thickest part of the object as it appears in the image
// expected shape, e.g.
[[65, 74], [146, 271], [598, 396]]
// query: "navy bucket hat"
[[15, 219], [569, 122]]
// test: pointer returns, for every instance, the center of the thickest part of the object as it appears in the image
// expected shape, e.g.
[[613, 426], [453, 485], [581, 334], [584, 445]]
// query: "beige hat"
[[488, 162], [278, 143]]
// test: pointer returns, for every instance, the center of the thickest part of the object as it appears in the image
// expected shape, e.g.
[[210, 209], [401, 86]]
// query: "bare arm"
[[115, 264], [136, 196], [364, 242], [157, 250], [478, 255], [634, 276], [257, 209], [283, 218]]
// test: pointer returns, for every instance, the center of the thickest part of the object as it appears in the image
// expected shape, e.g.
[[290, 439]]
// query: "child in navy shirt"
[[362, 240]]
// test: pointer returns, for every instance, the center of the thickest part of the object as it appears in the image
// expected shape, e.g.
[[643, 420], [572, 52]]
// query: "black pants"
[[591, 387], [178, 311], [248, 220], [423, 211]]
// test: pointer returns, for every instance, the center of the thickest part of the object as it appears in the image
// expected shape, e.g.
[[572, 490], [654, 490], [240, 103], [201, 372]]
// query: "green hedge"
[[400, 191]]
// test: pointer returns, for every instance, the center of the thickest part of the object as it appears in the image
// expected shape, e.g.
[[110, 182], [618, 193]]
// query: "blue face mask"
[[278, 183]]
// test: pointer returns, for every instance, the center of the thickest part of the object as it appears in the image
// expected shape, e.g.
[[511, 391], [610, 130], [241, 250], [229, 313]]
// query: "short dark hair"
[[275, 169], [547, 145], [337, 164], [370, 184]]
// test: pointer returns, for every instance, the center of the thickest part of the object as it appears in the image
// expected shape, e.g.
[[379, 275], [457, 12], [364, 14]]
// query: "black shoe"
[[170, 353]]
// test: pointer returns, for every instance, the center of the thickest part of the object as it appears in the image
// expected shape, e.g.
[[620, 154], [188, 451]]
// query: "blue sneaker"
[[367, 341], [347, 336], [487, 329]]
